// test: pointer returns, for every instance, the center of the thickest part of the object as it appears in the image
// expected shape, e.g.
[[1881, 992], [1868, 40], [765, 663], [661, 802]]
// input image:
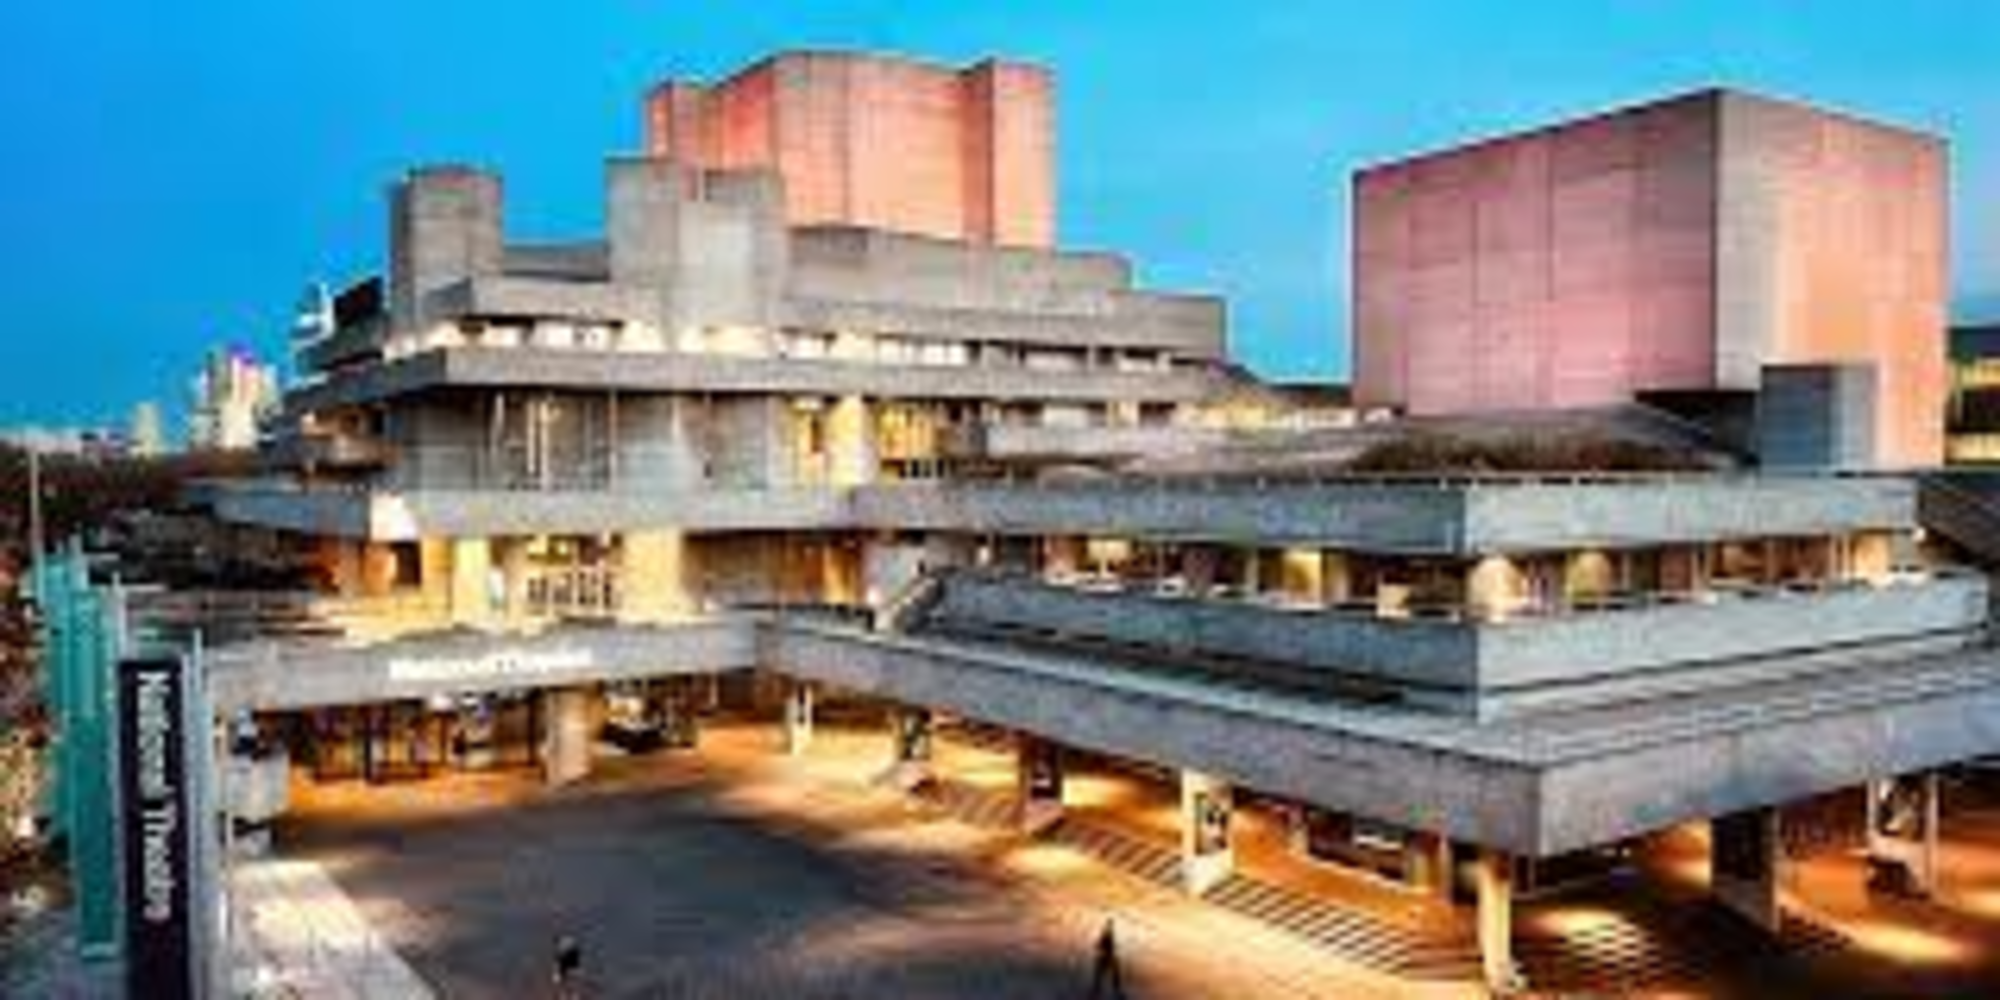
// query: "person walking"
[[1106, 982], [568, 964]]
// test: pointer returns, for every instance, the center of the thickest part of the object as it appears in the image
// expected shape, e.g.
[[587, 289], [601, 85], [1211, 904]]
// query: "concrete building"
[[727, 440], [1674, 247], [879, 142]]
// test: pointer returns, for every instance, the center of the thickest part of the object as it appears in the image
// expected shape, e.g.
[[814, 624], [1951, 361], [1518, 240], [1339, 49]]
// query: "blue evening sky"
[[172, 173]]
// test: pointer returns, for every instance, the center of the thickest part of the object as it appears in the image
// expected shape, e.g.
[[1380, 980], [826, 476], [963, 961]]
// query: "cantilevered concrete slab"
[[1538, 785], [1456, 517]]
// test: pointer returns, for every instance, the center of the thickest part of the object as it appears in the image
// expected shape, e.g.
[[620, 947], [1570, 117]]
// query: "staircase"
[[1965, 514], [1342, 933], [909, 605], [1656, 944]]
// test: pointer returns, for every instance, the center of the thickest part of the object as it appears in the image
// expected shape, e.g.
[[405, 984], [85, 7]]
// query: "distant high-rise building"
[[232, 395], [148, 437], [879, 142]]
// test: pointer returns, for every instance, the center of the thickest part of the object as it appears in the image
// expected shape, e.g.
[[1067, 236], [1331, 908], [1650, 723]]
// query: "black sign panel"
[[155, 817]]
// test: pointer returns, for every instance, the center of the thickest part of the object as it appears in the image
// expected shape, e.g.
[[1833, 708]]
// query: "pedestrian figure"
[[1106, 983], [568, 962]]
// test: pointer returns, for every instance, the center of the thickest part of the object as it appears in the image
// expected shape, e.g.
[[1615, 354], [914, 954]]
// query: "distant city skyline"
[[174, 181]]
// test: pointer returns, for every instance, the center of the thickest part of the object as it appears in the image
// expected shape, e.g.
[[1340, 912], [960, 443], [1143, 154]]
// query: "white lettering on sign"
[[502, 665], [159, 811]]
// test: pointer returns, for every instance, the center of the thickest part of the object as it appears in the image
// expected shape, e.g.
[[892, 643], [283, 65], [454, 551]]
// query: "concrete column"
[[1903, 827], [566, 737], [1493, 588], [345, 560], [850, 443], [1337, 573], [1064, 555], [653, 576], [472, 591], [1496, 921], [1428, 863], [799, 710], [1304, 574], [1198, 567], [513, 557], [1208, 850], [913, 766], [1038, 772], [1744, 856]]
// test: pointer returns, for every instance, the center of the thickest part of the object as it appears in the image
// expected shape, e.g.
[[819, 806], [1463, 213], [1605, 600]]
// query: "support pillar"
[[1744, 854], [1208, 853], [473, 598], [1038, 772], [653, 577], [1903, 828], [850, 443], [1496, 921], [913, 765], [566, 735], [799, 710], [1428, 863]]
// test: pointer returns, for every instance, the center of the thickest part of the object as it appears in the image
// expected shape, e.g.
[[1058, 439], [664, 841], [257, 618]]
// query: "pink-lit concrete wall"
[[1833, 247], [1682, 245], [1563, 268], [878, 142]]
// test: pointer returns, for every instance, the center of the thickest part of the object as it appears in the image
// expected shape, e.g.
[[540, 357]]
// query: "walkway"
[[298, 935]]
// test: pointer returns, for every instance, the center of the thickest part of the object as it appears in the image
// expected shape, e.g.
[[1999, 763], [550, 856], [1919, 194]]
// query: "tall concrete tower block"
[[445, 226], [879, 142], [1682, 245]]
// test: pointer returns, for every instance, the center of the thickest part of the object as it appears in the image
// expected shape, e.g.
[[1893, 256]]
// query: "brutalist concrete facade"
[[1682, 245], [879, 142]]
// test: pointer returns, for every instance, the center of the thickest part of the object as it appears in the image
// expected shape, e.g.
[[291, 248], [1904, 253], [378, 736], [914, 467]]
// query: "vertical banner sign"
[[156, 820]]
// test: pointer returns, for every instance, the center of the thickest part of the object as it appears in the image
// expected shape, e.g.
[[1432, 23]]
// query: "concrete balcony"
[[1010, 442], [681, 372], [1443, 660], [391, 515], [1460, 516]]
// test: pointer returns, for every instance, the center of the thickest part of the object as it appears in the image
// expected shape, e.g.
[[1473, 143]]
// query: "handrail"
[[1433, 613]]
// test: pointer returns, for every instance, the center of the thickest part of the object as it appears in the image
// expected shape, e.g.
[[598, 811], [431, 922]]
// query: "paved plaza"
[[738, 871], [741, 873]]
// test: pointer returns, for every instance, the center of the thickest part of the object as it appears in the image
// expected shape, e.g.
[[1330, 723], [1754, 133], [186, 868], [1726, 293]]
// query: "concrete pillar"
[[1064, 556], [345, 561], [513, 558], [1208, 850], [799, 711], [1253, 571], [473, 597], [1903, 827], [1428, 863], [1496, 921], [850, 443], [1038, 772], [1744, 856], [566, 737], [1198, 568], [653, 576], [1493, 588], [1337, 578], [1304, 575], [913, 766]]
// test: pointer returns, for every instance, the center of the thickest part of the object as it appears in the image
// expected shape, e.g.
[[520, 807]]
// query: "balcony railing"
[[573, 592]]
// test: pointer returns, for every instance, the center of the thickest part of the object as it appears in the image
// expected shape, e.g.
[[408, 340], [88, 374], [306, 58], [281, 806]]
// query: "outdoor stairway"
[[1342, 933], [1679, 944], [1352, 936]]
